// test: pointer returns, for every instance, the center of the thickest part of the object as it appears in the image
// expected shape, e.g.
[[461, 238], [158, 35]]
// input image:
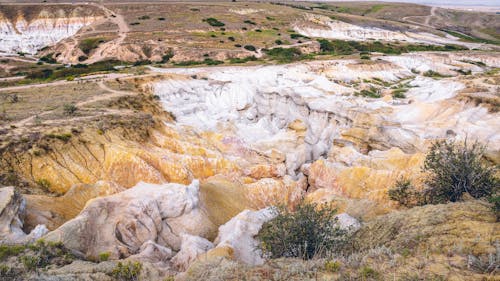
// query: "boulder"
[[120, 224], [239, 233], [191, 248], [12, 208]]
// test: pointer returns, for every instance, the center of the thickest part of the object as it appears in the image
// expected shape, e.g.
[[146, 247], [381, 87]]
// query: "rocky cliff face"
[[29, 29], [308, 112]]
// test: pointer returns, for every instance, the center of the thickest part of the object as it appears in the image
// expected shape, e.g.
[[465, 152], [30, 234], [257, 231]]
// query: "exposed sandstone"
[[120, 224]]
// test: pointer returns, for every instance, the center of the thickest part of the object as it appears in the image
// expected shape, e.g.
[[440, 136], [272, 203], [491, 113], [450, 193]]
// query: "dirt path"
[[428, 18], [65, 82], [111, 46], [112, 94], [426, 21]]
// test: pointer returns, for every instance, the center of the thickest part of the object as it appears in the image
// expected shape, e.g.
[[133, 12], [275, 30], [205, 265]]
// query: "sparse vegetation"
[[43, 183], [286, 55], [104, 256], [404, 193], [342, 47], [249, 22], [207, 61], [399, 93], [310, 230], [69, 109], [10, 250], [434, 74], [369, 93], [243, 60], [213, 22], [128, 271], [89, 44], [250, 48]]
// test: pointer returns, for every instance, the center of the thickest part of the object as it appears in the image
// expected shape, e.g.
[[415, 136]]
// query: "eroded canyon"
[[177, 168]]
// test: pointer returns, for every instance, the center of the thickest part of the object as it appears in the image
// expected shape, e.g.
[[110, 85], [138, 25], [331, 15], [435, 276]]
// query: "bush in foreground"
[[127, 271], [309, 231]]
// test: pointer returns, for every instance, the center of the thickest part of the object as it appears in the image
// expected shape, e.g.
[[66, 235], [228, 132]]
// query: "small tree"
[[455, 169], [308, 231]]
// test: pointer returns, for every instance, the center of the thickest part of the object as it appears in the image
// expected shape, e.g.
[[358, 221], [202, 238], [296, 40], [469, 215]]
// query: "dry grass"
[[35, 101]]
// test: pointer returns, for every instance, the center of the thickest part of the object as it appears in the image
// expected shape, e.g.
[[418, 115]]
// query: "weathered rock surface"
[[12, 208], [28, 31], [120, 224], [191, 248], [306, 116], [239, 233]]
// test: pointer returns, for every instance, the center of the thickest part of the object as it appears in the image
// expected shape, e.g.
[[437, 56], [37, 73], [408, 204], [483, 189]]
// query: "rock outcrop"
[[309, 117], [120, 224], [239, 233], [36, 27], [12, 208]]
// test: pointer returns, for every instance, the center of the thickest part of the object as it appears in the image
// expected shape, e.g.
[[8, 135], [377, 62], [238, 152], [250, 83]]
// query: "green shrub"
[[399, 93], [43, 183], [457, 168], [249, 22], [161, 18], [213, 22], [464, 72], [404, 193], [145, 17], [231, 38], [104, 256], [368, 272], [434, 74], [89, 44], [332, 266], [42, 74], [64, 136], [495, 200], [298, 36], [31, 263], [166, 57], [243, 60], [10, 250], [250, 48], [127, 271], [371, 93], [308, 231], [278, 42], [285, 55], [69, 109], [5, 271], [48, 58]]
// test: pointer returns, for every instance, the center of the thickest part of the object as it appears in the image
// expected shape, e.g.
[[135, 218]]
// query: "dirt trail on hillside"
[[110, 46], [112, 94]]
